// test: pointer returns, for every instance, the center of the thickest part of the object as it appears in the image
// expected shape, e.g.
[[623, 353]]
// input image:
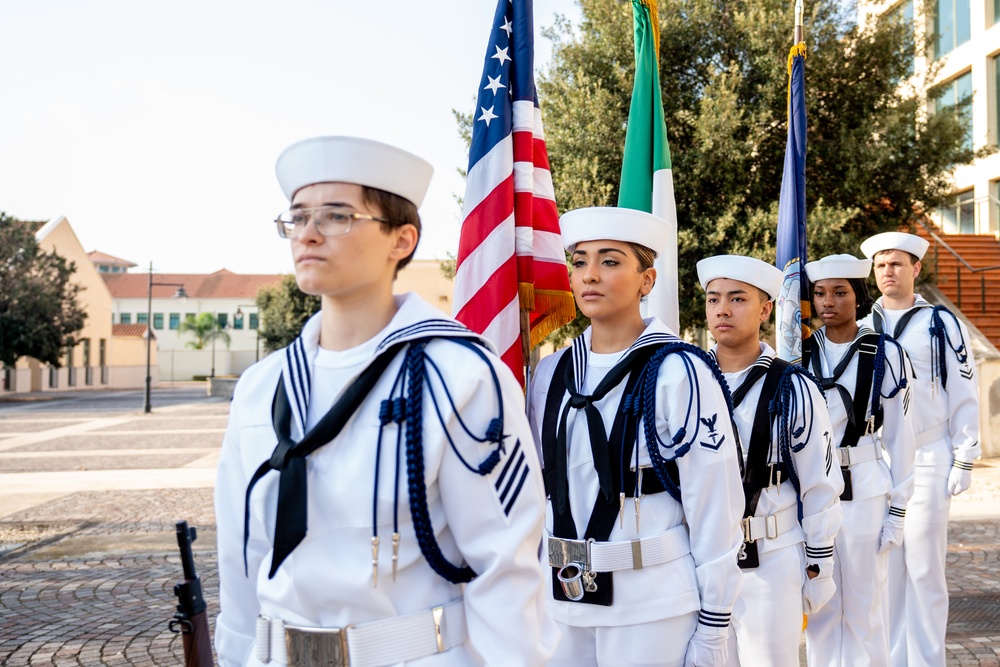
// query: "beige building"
[[424, 277], [966, 47], [103, 358]]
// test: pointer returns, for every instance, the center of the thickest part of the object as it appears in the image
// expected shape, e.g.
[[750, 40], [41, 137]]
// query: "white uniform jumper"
[[767, 619], [360, 487], [663, 581], [852, 629], [946, 424]]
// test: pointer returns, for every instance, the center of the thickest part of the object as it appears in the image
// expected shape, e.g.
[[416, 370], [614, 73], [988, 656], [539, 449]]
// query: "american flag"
[[510, 254]]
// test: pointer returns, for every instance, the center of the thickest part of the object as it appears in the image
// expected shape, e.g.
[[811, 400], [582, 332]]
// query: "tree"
[[39, 311], [206, 328], [284, 309], [876, 160]]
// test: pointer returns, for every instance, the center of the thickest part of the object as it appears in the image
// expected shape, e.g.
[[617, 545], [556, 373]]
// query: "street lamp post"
[[147, 408]]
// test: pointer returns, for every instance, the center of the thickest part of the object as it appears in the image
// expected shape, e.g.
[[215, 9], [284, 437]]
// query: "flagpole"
[[526, 352], [799, 29]]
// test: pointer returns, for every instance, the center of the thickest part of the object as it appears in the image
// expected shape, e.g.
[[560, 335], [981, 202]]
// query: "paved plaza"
[[90, 488]]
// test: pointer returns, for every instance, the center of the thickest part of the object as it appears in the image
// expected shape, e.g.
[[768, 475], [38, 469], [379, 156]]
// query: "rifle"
[[190, 619]]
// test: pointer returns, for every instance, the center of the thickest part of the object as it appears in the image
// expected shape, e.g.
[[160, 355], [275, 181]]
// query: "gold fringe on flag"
[[654, 22], [797, 50], [553, 309]]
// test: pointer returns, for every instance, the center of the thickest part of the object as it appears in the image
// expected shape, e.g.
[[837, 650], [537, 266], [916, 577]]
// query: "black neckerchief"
[[289, 457]]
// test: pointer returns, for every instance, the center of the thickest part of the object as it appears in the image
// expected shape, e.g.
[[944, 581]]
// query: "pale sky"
[[154, 127]]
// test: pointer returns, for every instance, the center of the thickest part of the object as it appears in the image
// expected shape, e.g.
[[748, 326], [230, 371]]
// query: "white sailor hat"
[[614, 224], [353, 160], [763, 276], [914, 245], [838, 266]]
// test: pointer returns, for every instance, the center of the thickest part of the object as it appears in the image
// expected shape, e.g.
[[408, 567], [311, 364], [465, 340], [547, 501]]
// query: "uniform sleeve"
[[820, 481], [540, 381], [711, 490], [235, 625], [897, 428], [497, 521], [963, 397]]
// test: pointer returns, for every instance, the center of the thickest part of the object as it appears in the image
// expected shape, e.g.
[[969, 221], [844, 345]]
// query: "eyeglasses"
[[328, 220]]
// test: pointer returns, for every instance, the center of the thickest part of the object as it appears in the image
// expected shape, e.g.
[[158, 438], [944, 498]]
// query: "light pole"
[[238, 317], [147, 408]]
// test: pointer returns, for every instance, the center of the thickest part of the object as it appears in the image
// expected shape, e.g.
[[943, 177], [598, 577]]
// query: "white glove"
[[959, 480], [817, 591], [706, 650], [892, 533]]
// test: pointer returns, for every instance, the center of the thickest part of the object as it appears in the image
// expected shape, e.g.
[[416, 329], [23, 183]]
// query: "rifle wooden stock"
[[190, 619], [197, 645]]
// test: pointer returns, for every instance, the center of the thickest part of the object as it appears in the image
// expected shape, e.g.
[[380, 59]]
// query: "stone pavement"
[[90, 488]]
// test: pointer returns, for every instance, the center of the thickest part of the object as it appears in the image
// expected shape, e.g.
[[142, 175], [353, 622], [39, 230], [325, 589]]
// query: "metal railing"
[[939, 242]]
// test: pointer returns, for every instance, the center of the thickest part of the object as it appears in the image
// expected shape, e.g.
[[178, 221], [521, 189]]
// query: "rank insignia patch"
[[713, 434]]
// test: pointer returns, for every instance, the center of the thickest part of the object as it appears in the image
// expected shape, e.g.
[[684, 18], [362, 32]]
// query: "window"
[[103, 359], [952, 25], [238, 321], [253, 320], [126, 318], [175, 320], [904, 14], [70, 369], [88, 372], [53, 377], [958, 92], [223, 320], [142, 318], [996, 11], [157, 320], [958, 215]]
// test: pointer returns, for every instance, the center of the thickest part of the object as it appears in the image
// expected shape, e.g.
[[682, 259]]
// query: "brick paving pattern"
[[86, 575]]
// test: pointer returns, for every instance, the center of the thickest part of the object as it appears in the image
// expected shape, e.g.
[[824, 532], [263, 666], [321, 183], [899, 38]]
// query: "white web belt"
[[384, 642], [623, 555]]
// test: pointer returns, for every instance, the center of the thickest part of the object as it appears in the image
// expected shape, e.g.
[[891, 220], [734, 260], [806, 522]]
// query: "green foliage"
[[205, 328], [284, 309], [39, 312], [876, 160]]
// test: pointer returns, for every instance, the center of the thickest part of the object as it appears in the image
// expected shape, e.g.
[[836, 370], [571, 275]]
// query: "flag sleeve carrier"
[[190, 619]]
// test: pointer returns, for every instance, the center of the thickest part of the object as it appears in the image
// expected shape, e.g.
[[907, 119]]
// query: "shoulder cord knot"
[[644, 403], [940, 339]]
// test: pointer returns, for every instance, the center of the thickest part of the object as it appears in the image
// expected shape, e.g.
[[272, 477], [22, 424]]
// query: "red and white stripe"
[[510, 235]]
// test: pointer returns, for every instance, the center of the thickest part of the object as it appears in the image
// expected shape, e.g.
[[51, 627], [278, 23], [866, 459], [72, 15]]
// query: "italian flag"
[[647, 183]]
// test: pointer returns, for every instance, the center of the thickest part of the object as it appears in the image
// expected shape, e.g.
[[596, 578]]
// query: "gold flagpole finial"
[[799, 29]]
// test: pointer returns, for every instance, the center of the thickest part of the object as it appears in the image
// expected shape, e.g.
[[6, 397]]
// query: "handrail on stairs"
[[958, 270]]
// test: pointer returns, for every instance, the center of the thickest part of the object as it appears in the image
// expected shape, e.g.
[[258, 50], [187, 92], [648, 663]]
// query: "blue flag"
[[793, 302]]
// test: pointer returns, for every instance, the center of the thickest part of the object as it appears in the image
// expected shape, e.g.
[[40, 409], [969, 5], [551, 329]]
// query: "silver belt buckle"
[[317, 646], [563, 552], [745, 524]]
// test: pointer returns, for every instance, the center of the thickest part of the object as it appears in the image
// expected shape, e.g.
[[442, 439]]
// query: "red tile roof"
[[129, 330], [222, 284], [98, 257]]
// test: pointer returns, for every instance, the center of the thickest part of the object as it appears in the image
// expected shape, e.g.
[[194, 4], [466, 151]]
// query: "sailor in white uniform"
[[379, 496], [867, 382], [946, 424], [641, 467], [792, 490]]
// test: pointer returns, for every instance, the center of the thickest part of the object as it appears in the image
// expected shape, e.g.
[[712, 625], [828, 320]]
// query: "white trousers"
[[660, 643], [918, 591], [852, 628], [767, 618]]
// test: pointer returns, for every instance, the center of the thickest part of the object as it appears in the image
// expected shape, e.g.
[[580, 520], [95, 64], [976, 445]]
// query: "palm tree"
[[205, 328]]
